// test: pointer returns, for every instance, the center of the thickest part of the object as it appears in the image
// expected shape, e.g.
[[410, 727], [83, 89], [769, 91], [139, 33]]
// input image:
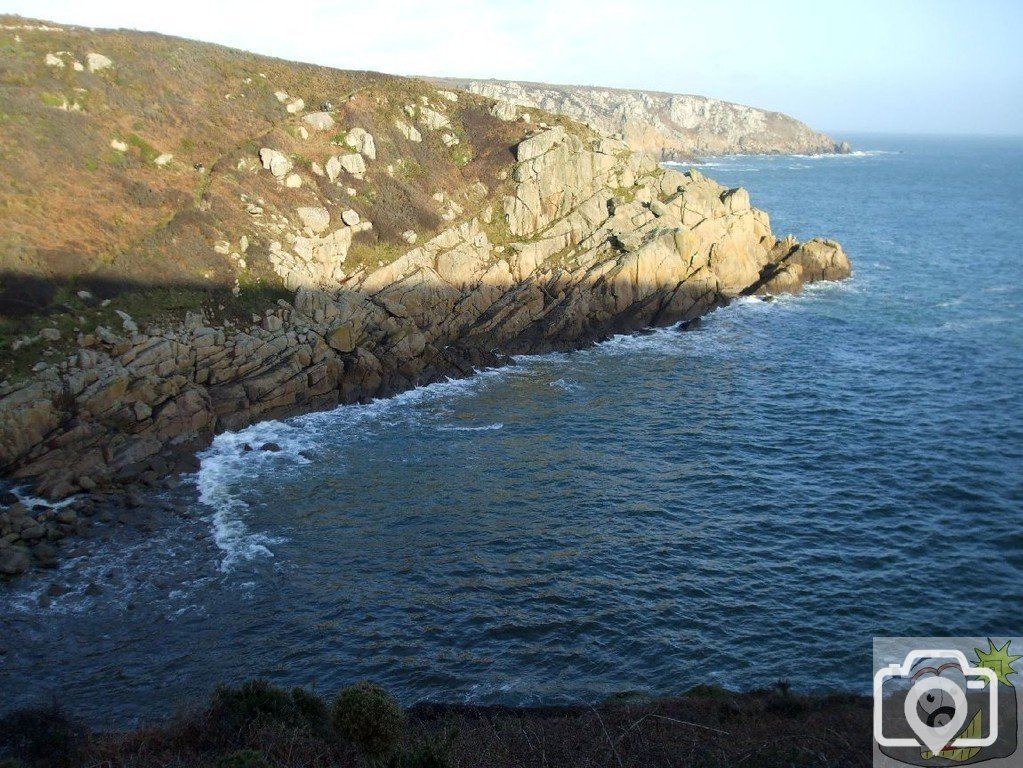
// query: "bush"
[[233, 710], [370, 718], [313, 711], [44, 736], [243, 758]]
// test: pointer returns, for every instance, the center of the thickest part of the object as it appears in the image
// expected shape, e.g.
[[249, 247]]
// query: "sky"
[[904, 66]]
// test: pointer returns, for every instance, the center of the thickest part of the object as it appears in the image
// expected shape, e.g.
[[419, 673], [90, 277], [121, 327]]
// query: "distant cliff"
[[673, 126]]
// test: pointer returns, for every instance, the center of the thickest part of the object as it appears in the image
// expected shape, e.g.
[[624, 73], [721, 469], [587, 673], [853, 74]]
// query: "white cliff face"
[[673, 126]]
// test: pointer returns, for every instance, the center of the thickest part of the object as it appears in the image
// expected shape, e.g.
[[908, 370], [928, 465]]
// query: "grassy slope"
[[77, 214]]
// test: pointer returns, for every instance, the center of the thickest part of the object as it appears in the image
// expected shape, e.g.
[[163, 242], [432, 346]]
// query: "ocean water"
[[748, 502]]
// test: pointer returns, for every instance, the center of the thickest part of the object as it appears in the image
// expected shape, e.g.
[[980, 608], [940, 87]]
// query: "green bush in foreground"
[[233, 709], [370, 718]]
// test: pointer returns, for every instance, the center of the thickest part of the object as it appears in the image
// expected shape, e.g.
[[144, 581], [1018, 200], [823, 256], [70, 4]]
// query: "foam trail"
[[485, 428]]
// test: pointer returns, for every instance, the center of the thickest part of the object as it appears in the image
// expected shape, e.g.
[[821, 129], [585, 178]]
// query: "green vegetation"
[[370, 718], [147, 151], [52, 99]]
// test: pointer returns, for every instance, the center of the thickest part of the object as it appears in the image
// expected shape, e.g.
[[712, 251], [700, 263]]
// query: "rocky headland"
[[228, 239], [672, 126]]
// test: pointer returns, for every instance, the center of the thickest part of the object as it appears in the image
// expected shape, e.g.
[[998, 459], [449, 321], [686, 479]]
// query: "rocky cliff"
[[670, 125], [396, 235]]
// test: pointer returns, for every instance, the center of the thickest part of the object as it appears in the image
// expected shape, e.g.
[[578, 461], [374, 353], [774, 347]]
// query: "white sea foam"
[[484, 428], [568, 386], [31, 501]]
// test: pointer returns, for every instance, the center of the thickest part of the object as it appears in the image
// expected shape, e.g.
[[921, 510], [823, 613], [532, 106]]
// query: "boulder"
[[295, 106], [13, 561], [350, 217], [354, 164], [315, 218], [276, 162], [97, 62], [333, 168], [320, 121]]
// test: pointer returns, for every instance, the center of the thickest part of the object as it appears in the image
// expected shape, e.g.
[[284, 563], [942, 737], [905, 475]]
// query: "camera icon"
[[946, 703]]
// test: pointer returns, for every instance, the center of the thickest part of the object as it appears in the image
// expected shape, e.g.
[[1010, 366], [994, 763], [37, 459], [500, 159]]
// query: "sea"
[[745, 503]]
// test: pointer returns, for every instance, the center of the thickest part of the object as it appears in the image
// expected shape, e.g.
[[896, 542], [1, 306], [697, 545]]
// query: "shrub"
[[43, 736], [243, 758], [257, 702], [313, 711], [370, 718]]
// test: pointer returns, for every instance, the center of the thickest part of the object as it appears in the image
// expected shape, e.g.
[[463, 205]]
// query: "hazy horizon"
[[915, 67]]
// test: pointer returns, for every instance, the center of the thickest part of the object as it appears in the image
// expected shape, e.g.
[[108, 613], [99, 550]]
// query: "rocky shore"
[[542, 234], [611, 243]]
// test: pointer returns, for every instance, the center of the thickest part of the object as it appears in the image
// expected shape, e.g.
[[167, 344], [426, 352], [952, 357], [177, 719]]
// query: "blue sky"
[[931, 66]]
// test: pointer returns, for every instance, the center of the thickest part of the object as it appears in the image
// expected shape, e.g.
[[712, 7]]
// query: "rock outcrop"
[[601, 240], [673, 126], [285, 259]]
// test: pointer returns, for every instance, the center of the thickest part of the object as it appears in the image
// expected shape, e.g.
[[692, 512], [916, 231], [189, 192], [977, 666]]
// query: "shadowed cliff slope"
[[195, 238]]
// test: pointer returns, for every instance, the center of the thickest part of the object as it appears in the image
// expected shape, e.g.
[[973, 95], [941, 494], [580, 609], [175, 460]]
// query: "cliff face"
[[536, 236], [672, 126]]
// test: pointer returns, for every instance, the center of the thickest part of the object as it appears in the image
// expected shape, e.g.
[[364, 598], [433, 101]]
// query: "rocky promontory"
[[332, 238], [673, 126]]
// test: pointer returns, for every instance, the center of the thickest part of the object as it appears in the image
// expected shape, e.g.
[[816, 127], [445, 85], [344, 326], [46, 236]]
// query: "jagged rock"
[[320, 121], [52, 60], [432, 119], [362, 141], [295, 106], [505, 110], [410, 132], [539, 144]]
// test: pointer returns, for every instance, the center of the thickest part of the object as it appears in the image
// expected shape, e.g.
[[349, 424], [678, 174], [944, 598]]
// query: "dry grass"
[[74, 211], [708, 728]]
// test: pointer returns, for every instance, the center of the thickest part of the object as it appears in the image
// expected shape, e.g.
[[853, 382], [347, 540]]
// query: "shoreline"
[[132, 501]]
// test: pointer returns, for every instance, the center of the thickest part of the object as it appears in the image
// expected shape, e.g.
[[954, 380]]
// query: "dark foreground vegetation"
[[257, 725]]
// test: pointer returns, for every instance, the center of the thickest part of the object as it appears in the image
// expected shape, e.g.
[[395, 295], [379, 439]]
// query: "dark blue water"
[[752, 501]]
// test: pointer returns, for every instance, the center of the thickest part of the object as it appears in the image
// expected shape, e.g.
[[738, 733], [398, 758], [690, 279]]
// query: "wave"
[[568, 386], [485, 428]]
